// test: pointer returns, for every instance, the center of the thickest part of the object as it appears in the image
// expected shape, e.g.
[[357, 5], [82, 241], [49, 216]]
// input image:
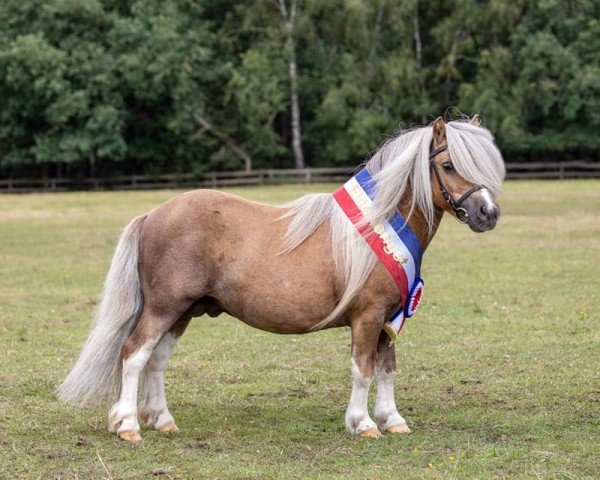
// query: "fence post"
[[213, 179], [561, 170]]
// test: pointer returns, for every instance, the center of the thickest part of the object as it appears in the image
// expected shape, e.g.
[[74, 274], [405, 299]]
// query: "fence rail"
[[538, 170]]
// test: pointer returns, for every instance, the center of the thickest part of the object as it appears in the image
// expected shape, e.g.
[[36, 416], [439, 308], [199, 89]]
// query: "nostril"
[[483, 211]]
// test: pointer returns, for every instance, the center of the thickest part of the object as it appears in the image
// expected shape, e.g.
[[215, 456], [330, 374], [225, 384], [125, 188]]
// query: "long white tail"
[[96, 376]]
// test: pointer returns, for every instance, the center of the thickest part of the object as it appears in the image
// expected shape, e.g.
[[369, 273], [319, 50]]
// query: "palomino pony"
[[296, 268]]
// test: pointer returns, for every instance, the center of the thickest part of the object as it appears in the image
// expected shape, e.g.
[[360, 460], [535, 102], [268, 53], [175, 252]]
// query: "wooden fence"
[[550, 170]]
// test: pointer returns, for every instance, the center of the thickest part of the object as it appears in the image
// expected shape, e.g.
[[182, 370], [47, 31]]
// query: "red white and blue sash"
[[393, 241]]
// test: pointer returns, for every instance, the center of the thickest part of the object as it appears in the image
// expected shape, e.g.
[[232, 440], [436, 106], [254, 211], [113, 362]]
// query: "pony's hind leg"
[[154, 411], [386, 414], [135, 353], [365, 332]]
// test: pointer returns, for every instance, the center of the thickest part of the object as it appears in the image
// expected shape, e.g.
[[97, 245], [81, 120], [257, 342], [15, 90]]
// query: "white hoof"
[[121, 419], [358, 426], [157, 418], [171, 427], [373, 433], [132, 436], [387, 421], [401, 428]]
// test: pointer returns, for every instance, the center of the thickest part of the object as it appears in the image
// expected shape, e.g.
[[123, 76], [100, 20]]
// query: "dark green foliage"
[[106, 86]]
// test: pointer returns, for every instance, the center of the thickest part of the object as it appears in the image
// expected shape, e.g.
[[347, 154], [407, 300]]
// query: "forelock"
[[475, 155]]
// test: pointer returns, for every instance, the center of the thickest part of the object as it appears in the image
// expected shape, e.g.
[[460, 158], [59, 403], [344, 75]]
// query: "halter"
[[461, 214]]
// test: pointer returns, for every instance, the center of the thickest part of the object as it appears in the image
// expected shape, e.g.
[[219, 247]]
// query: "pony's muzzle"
[[482, 211], [488, 214]]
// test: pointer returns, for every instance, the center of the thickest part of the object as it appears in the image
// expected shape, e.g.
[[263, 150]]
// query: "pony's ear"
[[439, 130], [475, 120]]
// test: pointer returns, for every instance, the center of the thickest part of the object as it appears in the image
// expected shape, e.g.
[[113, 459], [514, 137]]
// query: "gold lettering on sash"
[[363, 202], [355, 190], [389, 247], [361, 199]]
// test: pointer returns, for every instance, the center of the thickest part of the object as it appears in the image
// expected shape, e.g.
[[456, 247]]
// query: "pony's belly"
[[278, 306]]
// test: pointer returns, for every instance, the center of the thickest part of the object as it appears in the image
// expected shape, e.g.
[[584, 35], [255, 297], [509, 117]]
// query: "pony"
[[290, 269]]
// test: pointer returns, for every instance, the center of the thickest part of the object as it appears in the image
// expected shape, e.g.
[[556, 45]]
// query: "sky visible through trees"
[[90, 87]]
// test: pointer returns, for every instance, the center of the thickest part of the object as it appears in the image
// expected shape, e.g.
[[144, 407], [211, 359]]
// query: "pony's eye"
[[448, 167]]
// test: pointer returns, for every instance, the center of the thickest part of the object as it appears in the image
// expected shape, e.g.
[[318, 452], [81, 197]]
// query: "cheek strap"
[[460, 213]]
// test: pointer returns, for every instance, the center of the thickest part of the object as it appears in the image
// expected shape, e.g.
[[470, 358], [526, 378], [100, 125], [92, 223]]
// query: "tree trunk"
[[419, 54], [375, 40], [290, 19], [417, 37], [296, 132]]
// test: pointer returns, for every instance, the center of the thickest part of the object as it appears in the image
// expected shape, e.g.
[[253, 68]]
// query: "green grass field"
[[498, 373]]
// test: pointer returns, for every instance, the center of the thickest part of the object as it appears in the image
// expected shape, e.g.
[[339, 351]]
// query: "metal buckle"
[[461, 215]]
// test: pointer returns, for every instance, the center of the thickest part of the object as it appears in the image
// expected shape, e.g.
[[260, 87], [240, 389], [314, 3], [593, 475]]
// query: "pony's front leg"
[[386, 414], [365, 332]]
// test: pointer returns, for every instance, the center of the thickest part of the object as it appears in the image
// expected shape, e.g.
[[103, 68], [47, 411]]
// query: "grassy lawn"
[[498, 373]]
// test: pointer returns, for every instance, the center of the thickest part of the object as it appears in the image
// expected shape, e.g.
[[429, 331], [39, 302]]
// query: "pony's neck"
[[417, 221]]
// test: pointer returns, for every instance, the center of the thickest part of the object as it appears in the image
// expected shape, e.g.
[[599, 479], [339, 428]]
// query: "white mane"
[[402, 161]]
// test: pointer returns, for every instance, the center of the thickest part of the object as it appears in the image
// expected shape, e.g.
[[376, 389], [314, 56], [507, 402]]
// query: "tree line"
[[99, 87]]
